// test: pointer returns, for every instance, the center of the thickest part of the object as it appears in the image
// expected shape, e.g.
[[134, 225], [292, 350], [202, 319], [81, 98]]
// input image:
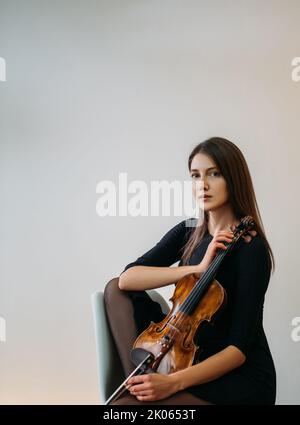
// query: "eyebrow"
[[211, 168]]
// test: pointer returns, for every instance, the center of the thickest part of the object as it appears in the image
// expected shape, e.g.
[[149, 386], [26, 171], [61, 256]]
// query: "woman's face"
[[207, 180]]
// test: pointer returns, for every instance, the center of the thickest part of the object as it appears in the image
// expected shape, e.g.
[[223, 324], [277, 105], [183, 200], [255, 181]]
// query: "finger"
[[224, 232], [247, 238], [146, 398], [139, 387], [219, 238], [253, 232], [141, 392], [221, 245], [137, 379], [223, 239]]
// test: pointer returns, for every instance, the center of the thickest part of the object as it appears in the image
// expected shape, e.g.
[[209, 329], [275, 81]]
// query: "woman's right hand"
[[216, 243]]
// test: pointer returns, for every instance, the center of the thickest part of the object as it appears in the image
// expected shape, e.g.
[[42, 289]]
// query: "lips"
[[205, 197]]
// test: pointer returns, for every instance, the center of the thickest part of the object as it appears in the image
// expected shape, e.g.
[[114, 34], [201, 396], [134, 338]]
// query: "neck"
[[221, 219]]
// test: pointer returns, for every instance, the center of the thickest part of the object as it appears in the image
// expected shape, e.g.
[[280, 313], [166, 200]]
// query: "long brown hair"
[[232, 165]]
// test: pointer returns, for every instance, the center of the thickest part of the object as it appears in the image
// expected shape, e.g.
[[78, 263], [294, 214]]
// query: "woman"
[[235, 365]]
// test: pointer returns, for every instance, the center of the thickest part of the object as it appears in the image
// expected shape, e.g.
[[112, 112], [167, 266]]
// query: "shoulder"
[[254, 253], [189, 225], [179, 234], [184, 227], [255, 246]]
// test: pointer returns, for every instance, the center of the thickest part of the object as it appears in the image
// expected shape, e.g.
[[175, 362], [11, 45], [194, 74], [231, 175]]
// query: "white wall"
[[95, 88]]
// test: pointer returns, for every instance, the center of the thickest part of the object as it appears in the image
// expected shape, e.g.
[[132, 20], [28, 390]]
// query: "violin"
[[168, 346], [197, 297]]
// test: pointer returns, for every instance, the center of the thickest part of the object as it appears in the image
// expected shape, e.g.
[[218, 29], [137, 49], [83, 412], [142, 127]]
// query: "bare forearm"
[[146, 277], [212, 368]]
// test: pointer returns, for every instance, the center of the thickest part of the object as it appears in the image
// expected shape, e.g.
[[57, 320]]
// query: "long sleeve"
[[253, 275]]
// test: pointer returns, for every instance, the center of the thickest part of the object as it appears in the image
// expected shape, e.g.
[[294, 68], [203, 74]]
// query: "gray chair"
[[110, 372]]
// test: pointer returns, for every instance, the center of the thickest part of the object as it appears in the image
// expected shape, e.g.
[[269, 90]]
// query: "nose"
[[201, 184]]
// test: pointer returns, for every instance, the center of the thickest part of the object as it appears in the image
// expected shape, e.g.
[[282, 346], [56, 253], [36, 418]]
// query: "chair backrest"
[[110, 371]]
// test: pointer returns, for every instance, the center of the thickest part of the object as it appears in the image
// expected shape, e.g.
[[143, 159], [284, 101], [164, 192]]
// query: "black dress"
[[245, 275]]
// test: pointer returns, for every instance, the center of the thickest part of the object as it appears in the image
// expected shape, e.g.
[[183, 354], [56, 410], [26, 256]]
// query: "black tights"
[[120, 314]]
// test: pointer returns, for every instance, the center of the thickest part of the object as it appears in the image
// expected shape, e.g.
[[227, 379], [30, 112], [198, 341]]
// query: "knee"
[[111, 290]]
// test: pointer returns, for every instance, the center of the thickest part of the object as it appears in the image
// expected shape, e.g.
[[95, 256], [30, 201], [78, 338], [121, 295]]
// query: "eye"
[[212, 173]]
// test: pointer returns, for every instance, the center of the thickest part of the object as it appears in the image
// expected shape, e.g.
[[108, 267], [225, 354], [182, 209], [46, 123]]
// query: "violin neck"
[[201, 286]]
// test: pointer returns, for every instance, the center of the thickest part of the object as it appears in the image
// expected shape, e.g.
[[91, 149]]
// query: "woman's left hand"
[[152, 386], [248, 236]]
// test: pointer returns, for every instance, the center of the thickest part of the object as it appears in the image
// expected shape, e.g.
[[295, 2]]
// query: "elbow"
[[121, 282], [127, 280], [239, 356], [242, 359]]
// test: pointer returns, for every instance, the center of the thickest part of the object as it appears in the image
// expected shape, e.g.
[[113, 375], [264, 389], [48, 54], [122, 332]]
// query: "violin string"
[[214, 265], [192, 295], [196, 289], [206, 278], [247, 223]]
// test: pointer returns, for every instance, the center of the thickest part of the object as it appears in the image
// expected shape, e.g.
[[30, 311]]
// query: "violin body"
[[171, 341]]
